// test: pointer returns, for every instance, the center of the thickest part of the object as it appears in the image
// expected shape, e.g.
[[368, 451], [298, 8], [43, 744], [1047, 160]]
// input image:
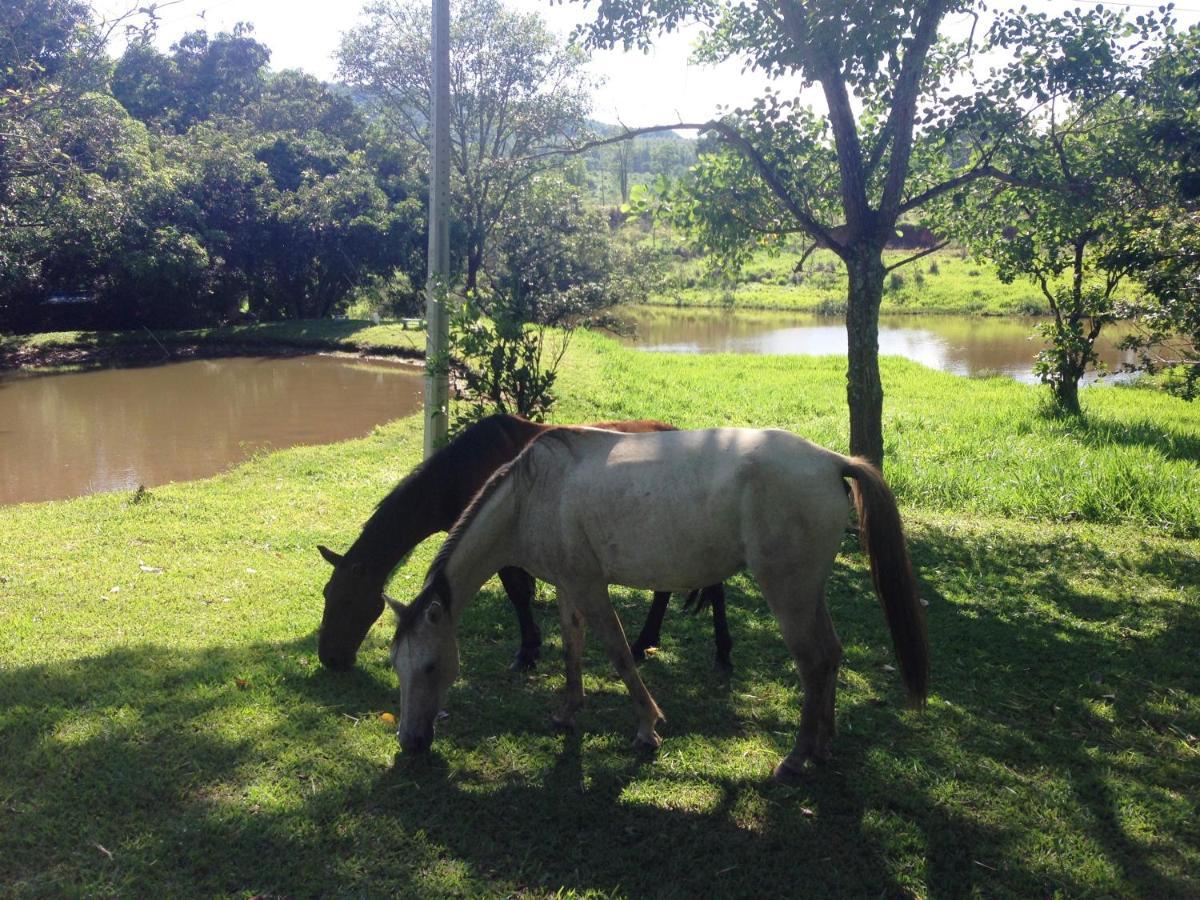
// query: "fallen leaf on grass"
[[242, 683], [146, 568], [387, 717], [651, 651]]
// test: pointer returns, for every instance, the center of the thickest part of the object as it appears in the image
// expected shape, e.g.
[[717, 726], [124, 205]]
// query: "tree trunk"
[[1066, 392], [474, 262], [864, 390]]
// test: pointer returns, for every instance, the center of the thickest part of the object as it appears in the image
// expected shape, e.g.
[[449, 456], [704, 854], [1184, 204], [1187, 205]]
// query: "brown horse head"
[[353, 601]]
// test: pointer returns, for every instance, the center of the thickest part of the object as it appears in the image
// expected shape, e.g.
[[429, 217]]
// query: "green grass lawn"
[[943, 282], [167, 729]]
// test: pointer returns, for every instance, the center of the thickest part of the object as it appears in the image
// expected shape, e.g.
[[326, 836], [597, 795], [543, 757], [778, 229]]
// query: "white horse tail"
[[882, 538]]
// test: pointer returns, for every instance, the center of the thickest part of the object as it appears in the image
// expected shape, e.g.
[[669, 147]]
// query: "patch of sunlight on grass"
[[690, 796]]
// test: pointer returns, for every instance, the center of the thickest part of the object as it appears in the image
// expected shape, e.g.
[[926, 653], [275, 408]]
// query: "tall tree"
[[1167, 251], [880, 150], [49, 57], [1085, 190], [514, 92], [1085, 183], [200, 78]]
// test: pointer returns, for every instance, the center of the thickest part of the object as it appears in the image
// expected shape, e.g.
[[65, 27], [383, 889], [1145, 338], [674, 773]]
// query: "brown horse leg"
[[652, 630], [721, 637], [520, 587]]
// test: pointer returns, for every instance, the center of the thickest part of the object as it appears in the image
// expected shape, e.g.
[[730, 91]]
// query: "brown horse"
[[430, 500]]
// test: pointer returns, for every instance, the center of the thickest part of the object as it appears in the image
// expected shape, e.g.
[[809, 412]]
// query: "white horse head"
[[425, 657]]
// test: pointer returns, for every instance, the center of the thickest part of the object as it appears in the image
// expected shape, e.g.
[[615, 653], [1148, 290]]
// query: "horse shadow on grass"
[[249, 769]]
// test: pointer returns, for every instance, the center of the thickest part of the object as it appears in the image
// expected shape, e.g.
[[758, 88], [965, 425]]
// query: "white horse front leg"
[[571, 621], [597, 607]]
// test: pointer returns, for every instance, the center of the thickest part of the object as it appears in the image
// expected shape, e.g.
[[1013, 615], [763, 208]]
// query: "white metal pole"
[[437, 381]]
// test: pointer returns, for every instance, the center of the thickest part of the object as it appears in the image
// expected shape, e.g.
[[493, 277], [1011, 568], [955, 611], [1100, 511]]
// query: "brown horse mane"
[[436, 586], [478, 439]]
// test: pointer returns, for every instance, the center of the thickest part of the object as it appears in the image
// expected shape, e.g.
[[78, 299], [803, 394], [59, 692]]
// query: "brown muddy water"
[[964, 345], [114, 429]]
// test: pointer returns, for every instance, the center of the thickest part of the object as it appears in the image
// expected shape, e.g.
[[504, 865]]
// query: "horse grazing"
[[584, 509], [430, 500]]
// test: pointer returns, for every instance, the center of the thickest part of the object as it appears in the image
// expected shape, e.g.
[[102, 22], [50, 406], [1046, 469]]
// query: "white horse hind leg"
[[799, 607], [597, 607], [571, 621]]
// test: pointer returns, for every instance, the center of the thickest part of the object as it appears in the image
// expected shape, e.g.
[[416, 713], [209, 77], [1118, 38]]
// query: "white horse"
[[583, 508]]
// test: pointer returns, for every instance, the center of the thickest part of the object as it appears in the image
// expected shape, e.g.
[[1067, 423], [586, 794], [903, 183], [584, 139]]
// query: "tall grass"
[[943, 282], [986, 446]]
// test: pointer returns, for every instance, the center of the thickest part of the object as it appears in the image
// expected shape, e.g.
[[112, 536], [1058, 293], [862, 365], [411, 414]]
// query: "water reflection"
[[964, 345], [79, 433]]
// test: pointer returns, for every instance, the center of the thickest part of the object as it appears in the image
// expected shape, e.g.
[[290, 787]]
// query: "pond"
[[964, 345], [114, 429]]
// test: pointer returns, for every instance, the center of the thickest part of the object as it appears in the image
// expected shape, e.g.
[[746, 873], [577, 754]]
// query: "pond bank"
[[86, 349], [972, 346]]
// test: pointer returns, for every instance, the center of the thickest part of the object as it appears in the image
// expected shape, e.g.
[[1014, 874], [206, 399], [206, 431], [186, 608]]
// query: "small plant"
[[895, 281], [933, 268], [504, 365]]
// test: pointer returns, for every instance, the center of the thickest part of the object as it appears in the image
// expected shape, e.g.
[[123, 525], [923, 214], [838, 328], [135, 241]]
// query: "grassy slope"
[[179, 719], [943, 282]]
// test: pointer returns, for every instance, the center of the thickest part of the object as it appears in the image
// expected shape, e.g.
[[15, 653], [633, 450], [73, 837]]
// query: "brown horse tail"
[[882, 538]]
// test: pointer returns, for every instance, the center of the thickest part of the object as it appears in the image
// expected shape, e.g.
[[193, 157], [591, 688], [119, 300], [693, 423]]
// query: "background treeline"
[[192, 186], [196, 186]]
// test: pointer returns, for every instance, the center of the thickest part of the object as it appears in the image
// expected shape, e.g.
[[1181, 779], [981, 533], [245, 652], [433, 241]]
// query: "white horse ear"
[[330, 557], [433, 612]]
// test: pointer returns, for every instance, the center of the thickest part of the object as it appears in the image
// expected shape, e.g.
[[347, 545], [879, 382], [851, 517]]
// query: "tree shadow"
[[1048, 694], [1094, 429]]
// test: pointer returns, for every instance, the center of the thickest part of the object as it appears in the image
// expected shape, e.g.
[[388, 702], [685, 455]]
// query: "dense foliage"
[[201, 188]]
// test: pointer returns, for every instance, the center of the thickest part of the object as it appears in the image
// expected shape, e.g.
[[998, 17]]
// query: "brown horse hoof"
[[562, 724], [787, 773], [647, 745], [793, 768], [526, 660]]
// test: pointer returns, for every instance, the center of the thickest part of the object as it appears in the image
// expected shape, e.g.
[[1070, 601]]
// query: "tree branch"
[[734, 137], [916, 256], [904, 106]]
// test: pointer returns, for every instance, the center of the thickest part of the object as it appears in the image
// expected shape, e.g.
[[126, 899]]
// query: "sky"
[[636, 89]]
